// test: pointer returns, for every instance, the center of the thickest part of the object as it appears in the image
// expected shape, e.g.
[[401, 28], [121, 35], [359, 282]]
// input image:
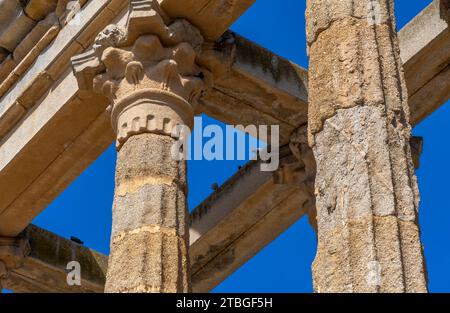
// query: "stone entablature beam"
[[46, 267]]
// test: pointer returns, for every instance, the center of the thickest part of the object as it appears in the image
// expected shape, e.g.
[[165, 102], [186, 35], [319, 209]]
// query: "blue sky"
[[84, 209]]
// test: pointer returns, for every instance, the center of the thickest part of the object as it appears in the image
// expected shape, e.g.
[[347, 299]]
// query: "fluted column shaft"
[[366, 190], [149, 241]]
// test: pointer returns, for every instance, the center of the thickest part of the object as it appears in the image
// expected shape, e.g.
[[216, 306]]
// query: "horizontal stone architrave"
[[425, 51], [223, 237]]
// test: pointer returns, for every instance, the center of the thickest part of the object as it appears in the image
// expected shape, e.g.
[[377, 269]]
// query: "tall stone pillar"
[[149, 73], [150, 238], [366, 191]]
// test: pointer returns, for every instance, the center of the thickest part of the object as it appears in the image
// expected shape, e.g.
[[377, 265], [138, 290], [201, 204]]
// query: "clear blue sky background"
[[84, 209]]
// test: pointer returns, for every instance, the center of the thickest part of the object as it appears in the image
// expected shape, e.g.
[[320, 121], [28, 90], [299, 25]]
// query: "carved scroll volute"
[[148, 71]]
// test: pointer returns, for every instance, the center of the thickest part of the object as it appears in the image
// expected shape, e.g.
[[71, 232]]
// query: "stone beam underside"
[[47, 150], [211, 17], [246, 95]]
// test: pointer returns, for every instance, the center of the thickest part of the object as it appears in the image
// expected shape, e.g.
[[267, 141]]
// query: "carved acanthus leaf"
[[154, 58], [145, 18], [301, 150], [148, 64]]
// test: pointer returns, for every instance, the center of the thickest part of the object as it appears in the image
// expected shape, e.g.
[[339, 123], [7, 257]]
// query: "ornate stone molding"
[[298, 168], [148, 71], [366, 191], [304, 155], [12, 253]]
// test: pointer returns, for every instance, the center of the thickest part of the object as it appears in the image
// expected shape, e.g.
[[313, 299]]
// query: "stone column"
[[149, 73], [150, 238], [366, 191]]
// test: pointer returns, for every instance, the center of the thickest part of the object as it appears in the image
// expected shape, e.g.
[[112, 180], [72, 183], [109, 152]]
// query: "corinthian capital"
[[148, 70]]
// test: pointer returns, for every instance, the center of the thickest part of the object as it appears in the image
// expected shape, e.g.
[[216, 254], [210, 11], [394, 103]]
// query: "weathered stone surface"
[[211, 17], [104, 17], [148, 259], [12, 253], [35, 88], [46, 148], [366, 191], [3, 54], [149, 73], [45, 267], [239, 219], [154, 181], [10, 118], [143, 202], [13, 33], [9, 11], [34, 36], [304, 156], [63, 134], [226, 230], [38, 9], [151, 160], [241, 117], [54, 60], [67, 10], [425, 49], [416, 150], [149, 237], [27, 51]]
